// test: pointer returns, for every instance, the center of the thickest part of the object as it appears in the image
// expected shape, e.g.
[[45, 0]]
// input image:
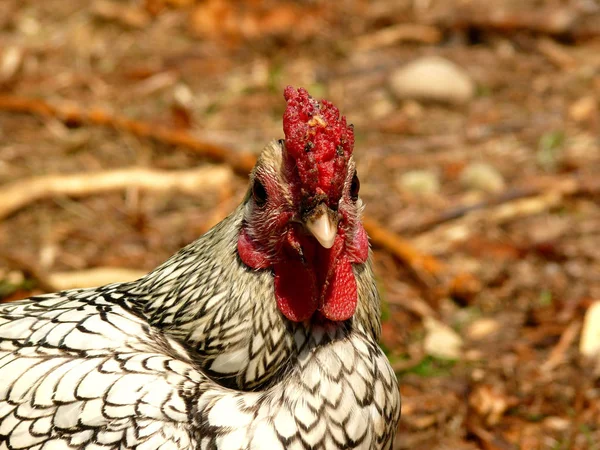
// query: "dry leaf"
[[224, 19], [131, 16], [489, 403]]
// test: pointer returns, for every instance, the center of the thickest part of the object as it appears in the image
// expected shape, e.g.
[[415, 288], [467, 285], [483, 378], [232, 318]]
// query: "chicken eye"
[[259, 193], [354, 187]]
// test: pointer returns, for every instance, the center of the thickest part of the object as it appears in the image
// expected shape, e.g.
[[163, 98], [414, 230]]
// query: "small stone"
[[11, 60], [482, 177], [381, 105], [413, 109], [28, 25], [474, 355], [583, 109], [478, 374], [419, 182], [432, 78], [441, 341], [15, 277]]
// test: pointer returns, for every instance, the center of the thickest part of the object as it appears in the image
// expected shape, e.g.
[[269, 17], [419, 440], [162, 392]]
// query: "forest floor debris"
[[512, 272]]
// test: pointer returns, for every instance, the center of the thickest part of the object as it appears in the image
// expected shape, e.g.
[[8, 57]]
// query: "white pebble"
[[432, 78], [419, 182], [441, 341], [482, 177]]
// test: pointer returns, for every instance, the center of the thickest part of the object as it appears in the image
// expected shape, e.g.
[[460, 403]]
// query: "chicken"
[[262, 334]]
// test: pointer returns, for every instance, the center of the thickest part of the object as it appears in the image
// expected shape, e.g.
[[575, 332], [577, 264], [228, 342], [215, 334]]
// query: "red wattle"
[[295, 290], [339, 302], [324, 282]]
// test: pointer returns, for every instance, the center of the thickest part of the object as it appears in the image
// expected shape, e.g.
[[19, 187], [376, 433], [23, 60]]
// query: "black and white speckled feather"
[[193, 356], [206, 298]]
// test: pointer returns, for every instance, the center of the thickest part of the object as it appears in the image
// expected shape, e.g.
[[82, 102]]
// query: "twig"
[[58, 281], [401, 249], [23, 192], [412, 304], [550, 21], [398, 33], [241, 162], [557, 355], [406, 364], [430, 271], [461, 211], [489, 440], [92, 277], [460, 230], [19, 261], [506, 207], [556, 54], [536, 195]]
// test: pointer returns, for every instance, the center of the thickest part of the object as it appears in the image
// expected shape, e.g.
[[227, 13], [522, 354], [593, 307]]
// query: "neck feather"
[[225, 313]]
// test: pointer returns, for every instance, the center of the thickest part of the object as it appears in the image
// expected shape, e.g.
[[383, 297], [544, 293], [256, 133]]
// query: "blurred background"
[[127, 129]]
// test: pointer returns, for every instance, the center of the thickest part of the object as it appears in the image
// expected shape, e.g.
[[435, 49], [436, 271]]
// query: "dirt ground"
[[500, 186]]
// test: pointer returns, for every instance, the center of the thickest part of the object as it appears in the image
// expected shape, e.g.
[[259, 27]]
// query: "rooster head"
[[302, 214]]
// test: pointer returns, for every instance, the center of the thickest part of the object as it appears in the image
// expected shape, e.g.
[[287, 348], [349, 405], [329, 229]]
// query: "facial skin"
[[310, 250]]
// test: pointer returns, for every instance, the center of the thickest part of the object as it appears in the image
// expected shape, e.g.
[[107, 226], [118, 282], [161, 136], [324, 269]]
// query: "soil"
[[527, 232]]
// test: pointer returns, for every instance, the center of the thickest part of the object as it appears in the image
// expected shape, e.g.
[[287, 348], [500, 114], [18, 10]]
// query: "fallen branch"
[[241, 162], [551, 21], [412, 304], [21, 193], [392, 35], [384, 238], [489, 440], [461, 211], [443, 237], [429, 270], [557, 54], [535, 196], [506, 207], [557, 355], [58, 281], [405, 365], [98, 276]]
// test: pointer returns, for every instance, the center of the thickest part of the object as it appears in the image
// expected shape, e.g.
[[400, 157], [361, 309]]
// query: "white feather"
[[264, 437], [227, 411], [229, 362]]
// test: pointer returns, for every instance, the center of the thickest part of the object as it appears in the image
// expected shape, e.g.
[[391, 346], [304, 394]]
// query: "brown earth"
[[526, 229]]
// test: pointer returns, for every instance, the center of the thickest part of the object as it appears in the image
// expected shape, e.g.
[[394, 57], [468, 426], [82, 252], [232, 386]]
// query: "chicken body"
[[195, 355], [88, 373]]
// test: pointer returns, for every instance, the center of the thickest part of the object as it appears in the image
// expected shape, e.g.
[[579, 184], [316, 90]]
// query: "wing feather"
[[77, 370]]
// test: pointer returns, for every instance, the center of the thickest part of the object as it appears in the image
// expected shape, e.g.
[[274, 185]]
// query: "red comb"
[[318, 143]]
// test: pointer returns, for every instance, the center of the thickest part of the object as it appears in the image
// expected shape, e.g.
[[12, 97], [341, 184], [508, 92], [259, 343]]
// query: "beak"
[[322, 224]]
